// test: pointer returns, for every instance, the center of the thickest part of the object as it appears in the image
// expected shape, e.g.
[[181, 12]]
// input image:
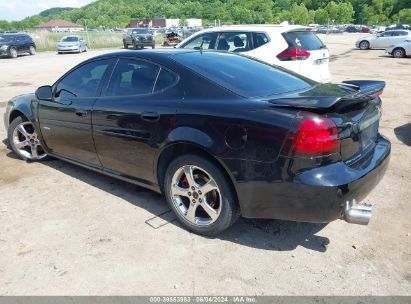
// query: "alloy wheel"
[[196, 195], [364, 45], [13, 53], [398, 53], [27, 143]]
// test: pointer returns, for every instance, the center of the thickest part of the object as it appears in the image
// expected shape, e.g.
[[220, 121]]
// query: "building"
[[58, 25], [163, 22]]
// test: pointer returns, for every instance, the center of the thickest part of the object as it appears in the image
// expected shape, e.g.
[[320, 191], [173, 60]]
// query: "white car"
[[399, 50], [296, 48], [383, 40]]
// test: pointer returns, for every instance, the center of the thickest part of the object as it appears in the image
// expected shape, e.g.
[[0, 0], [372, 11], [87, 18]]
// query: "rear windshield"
[[69, 39], [243, 75], [304, 40]]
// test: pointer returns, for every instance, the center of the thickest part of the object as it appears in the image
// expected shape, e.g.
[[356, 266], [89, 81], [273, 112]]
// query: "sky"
[[13, 10]]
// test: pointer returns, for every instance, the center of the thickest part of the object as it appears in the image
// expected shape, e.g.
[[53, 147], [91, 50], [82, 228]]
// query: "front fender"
[[20, 105]]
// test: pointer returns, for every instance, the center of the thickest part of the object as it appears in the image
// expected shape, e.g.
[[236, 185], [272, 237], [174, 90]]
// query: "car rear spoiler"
[[362, 90]]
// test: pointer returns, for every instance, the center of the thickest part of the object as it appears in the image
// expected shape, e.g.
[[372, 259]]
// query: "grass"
[[47, 41]]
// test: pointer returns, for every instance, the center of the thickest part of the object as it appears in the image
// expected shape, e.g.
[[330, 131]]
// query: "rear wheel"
[[398, 53], [364, 45], [32, 50], [125, 45], [153, 46], [24, 141], [13, 52], [200, 195]]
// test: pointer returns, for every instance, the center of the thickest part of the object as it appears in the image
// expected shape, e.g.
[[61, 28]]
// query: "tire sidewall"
[[398, 50], [229, 210], [364, 43], [13, 54], [32, 50], [13, 125]]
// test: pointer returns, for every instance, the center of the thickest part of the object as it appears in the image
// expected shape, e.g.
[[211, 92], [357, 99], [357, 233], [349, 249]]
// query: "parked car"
[[220, 135], [294, 47], [72, 44], [14, 44], [399, 50], [139, 38], [383, 40]]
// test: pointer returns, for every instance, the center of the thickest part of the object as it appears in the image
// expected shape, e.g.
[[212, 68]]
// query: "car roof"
[[257, 28]]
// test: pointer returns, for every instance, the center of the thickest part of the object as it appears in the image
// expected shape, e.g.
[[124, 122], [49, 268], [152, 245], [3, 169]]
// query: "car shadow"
[[273, 235], [403, 133]]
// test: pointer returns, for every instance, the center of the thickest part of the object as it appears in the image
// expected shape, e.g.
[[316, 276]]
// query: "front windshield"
[[6, 39], [141, 31], [69, 39]]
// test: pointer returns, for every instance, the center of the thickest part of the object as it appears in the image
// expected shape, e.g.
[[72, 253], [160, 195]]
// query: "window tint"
[[205, 41], [165, 79], [69, 39], [259, 39], [233, 42], [83, 81], [243, 75], [304, 40], [387, 34], [132, 77]]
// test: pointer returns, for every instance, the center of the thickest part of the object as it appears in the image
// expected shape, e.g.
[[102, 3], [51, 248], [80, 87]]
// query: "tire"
[[21, 131], [208, 195], [125, 45], [13, 52], [364, 45], [153, 46], [398, 53], [135, 46], [85, 49], [32, 50]]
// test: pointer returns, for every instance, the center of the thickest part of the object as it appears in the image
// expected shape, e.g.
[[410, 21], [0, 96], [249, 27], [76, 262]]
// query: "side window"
[[387, 34], [132, 77], [83, 81], [233, 42], [205, 41], [165, 79], [403, 33], [259, 39]]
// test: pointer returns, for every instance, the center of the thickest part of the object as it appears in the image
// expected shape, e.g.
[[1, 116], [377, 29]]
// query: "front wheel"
[[23, 140], [153, 46], [13, 52], [398, 53], [364, 45], [200, 195]]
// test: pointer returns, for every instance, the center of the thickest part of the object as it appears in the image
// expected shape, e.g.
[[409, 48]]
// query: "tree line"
[[117, 14]]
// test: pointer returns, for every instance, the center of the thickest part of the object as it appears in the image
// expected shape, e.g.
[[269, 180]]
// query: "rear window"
[[243, 75], [304, 40]]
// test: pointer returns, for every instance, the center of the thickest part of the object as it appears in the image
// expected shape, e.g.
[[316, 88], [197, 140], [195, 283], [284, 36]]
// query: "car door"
[[21, 45], [399, 37], [382, 41], [65, 121], [134, 116]]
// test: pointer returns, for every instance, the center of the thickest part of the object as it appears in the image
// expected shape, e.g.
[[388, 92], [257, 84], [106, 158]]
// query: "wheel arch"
[[181, 147]]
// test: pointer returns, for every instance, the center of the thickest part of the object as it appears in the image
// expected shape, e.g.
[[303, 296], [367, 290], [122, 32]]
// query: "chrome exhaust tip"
[[357, 213]]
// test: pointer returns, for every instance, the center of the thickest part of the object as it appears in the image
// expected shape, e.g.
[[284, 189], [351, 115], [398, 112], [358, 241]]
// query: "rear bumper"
[[315, 195]]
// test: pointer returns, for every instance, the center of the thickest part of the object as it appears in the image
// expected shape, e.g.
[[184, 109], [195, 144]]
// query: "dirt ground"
[[65, 230]]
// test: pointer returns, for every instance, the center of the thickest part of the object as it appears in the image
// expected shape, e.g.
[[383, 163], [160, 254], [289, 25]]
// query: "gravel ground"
[[69, 231]]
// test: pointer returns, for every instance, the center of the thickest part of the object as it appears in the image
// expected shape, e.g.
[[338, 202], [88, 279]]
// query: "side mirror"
[[44, 93]]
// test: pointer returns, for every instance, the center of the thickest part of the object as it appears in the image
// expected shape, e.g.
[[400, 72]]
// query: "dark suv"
[[139, 38], [15, 44]]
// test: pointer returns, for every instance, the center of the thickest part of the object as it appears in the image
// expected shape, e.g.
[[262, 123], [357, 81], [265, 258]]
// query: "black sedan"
[[220, 135]]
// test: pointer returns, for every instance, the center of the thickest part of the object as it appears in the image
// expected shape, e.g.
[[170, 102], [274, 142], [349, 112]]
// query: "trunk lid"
[[354, 106]]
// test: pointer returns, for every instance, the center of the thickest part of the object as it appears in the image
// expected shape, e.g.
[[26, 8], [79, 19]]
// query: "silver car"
[[72, 44], [383, 40], [399, 50]]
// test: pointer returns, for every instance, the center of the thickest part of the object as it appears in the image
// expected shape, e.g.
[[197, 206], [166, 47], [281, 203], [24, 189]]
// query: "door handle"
[[150, 116], [81, 113]]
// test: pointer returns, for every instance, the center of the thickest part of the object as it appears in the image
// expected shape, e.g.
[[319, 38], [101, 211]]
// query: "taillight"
[[293, 53], [313, 135]]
